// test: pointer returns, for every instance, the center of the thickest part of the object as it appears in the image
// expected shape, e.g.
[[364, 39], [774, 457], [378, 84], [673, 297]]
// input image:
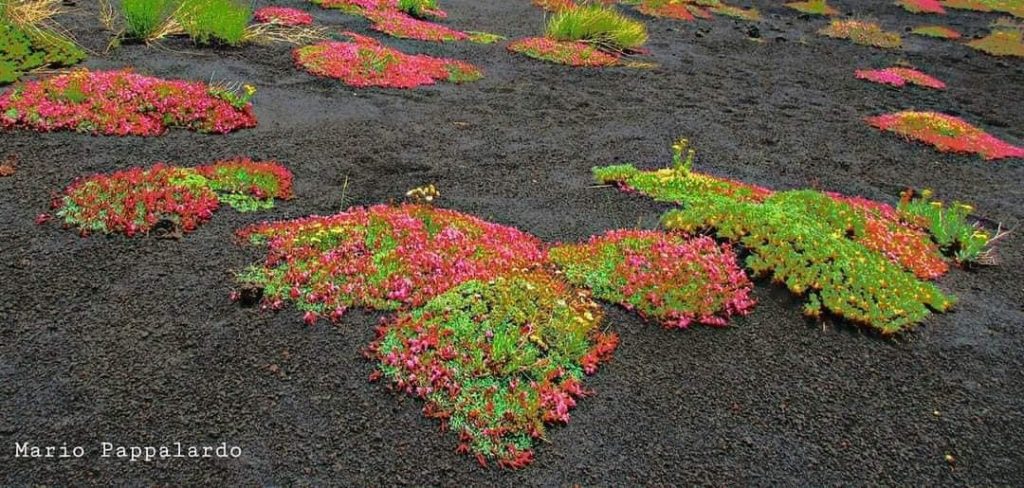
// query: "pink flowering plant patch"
[[282, 15], [900, 77], [134, 201], [572, 53], [938, 31], [124, 103], [922, 6], [497, 360], [364, 62], [946, 133], [669, 278]]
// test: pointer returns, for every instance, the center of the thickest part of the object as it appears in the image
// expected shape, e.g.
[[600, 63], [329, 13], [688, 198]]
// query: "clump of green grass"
[[603, 26], [215, 21], [145, 19]]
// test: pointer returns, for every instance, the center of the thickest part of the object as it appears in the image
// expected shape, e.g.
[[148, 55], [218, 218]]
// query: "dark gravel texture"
[[134, 341]]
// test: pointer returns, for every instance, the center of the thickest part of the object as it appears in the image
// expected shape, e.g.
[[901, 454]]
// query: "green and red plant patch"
[[947, 133], [900, 77], [813, 7], [134, 201], [853, 258], [554, 5], [364, 62], [669, 278], [357, 7], [691, 9], [922, 6], [938, 31], [1012, 7], [282, 15], [572, 53], [124, 103], [382, 257], [863, 33], [399, 24], [496, 360], [1005, 39]]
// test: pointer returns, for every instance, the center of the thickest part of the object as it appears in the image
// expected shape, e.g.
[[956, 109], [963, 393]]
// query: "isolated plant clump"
[[1012, 7], [381, 257], [1005, 39], [947, 133], [134, 201], [283, 15], [669, 278], [27, 47], [691, 9], [124, 103], [922, 6], [497, 360], [399, 24], [572, 53], [604, 27], [938, 31], [899, 77], [864, 33], [364, 62], [853, 258], [814, 7]]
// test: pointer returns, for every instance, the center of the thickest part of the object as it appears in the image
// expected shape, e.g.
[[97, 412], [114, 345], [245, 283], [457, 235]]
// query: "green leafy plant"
[[215, 21], [28, 40], [145, 19], [418, 8], [599, 25]]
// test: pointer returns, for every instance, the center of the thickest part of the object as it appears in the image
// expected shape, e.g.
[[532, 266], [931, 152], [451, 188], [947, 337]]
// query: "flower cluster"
[[922, 6], [497, 360], [813, 7], [282, 15], [938, 31], [855, 258], [899, 77], [692, 9], [382, 257], [397, 23], [863, 33], [947, 133], [666, 277], [1006, 39], [120, 103], [134, 201], [572, 53], [365, 62]]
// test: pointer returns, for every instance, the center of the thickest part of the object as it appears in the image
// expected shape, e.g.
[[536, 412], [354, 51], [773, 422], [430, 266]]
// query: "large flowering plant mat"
[[169, 198], [946, 133], [124, 103]]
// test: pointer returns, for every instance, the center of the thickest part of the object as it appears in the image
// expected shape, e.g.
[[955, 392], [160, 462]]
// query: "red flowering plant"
[[899, 77], [665, 277], [382, 257], [572, 53], [922, 6], [587, 35], [282, 15], [496, 360], [947, 133], [938, 31], [364, 62], [136, 200], [1012, 7], [124, 103], [691, 9], [397, 23], [854, 258]]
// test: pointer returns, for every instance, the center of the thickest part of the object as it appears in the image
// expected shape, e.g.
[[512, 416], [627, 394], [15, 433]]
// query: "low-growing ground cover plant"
[[422, 9], [938, 31], [124, 103], [691, 9], [947, 133], [135, 201], [364, 62], [1012, 7], [28, 40], [1005, 39], [669, 278], [853, 258], [283, 15], [813, 7], [587, 35], [564, 52], [205, 21], [382, 257], [922, 6], [899, 77], [863, 33], [497, 360], [407, 19]]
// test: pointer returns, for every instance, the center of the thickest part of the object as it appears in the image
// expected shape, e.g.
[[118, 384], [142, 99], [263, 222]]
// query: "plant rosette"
[[900, 77], [364, 62], [135, 201], [124, 103], [572, 53], [946, 133], [496, 361], [669, 278], [283, 16]]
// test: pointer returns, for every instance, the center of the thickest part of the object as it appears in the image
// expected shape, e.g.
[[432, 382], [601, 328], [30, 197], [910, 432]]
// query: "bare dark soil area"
[[134, 341]]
